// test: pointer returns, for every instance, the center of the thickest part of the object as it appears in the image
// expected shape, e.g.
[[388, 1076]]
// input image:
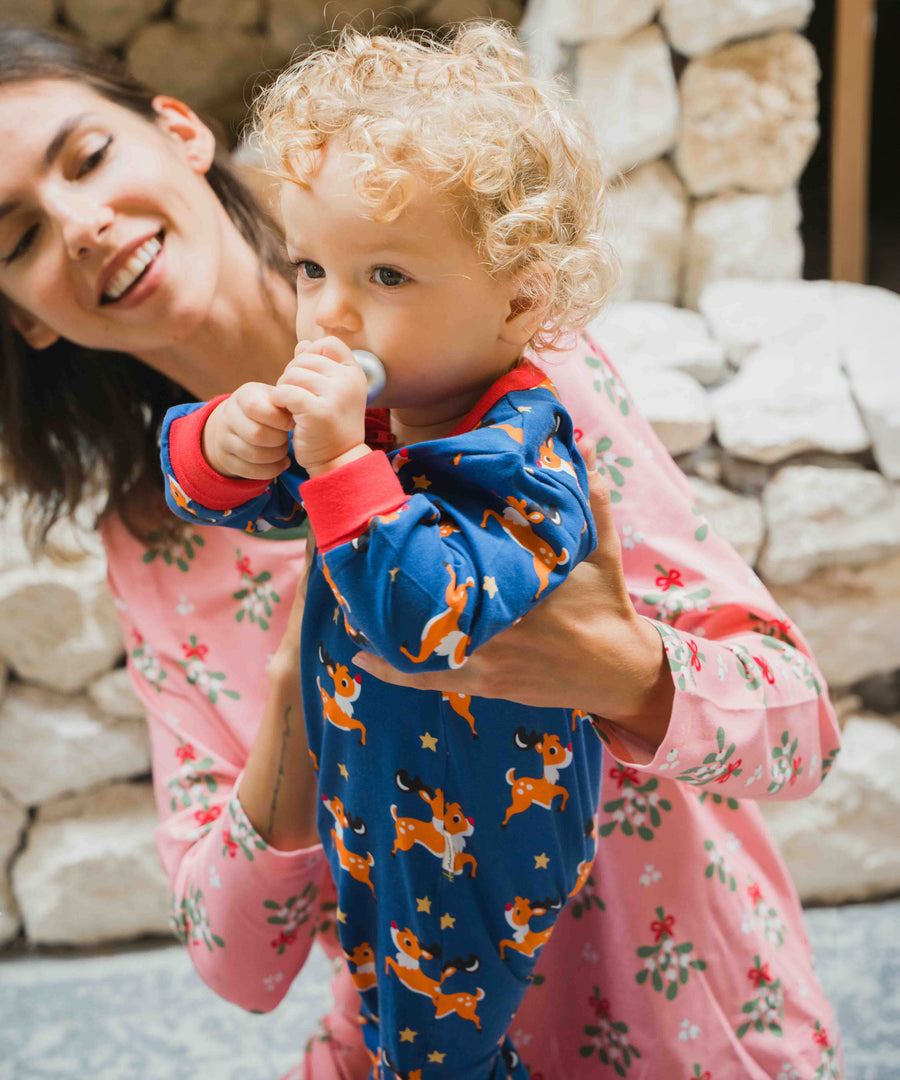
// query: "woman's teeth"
[[132, 270]]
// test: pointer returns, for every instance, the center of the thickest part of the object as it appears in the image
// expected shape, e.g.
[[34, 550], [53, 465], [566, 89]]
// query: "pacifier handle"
[[373, 369]]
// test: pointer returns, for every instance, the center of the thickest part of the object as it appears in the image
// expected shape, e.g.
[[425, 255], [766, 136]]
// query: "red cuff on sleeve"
[[197, 479], [341, 503]]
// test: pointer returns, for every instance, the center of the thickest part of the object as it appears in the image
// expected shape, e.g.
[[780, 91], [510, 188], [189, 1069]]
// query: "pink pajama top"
[[684, 957]]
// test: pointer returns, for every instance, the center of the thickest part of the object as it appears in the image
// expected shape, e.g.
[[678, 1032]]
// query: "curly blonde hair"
[[517, 162]]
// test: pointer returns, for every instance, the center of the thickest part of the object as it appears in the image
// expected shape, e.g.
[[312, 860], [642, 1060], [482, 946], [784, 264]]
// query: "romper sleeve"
[[247, 912], [751, 716], [496, 518]]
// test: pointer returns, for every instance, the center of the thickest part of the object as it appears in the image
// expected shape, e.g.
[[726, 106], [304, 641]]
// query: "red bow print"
[[821, 1039], [672, 580], [664, 927], [199, 651], [243, 566], [795, 766], [186, 752], [207, 817], [759, 975], [765, 669], [230, 844], [694, 649], [138, 637], [729, 769], [755, 893], [623, 774], [599, 1005]]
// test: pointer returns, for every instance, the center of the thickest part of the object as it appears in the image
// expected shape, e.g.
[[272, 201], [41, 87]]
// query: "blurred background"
[[752, 149]]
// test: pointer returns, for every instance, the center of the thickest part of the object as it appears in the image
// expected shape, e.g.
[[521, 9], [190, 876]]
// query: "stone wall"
[[780, 398]]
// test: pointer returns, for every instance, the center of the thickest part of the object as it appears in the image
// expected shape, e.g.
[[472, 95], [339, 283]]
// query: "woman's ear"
[[36, 333], [196, 141], [531, 293]]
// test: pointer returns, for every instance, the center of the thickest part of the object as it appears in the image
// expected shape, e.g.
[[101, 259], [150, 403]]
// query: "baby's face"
[[411, 290]]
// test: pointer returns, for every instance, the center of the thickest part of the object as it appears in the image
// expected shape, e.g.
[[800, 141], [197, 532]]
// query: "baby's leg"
[[488, 838]]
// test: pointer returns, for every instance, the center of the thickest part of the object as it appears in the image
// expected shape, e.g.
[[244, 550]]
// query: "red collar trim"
[[525, 376]]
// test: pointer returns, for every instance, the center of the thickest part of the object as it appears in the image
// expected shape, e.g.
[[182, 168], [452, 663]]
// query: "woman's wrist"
[[646, 692]]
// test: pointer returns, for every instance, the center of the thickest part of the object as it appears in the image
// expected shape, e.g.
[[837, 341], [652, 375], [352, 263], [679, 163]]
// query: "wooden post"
[[854, 33]]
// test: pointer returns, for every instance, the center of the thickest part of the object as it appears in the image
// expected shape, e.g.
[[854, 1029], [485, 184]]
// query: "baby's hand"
[[247, 435], [324, 389]]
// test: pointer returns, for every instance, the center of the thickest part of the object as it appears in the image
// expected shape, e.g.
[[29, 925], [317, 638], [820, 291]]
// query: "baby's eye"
[[310, 270], [387, 275]]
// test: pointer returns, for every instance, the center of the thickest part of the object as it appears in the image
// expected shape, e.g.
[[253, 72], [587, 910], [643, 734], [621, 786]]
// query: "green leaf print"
[[610, 464], [173, 552], [609, 1038], [666, 964]]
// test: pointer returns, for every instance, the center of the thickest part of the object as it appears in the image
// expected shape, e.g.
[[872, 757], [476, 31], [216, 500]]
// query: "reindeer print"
[[356, 866], [441, 634], [444, 836], [529, 790], [516, 522], [518, 915], [337, 708]]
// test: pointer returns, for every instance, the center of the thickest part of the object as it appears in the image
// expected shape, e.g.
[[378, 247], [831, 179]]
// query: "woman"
[[134, 271]]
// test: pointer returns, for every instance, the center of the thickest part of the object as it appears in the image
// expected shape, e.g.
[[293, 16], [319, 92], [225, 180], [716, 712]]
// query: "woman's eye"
[[386, 275], [23, 245], [310, 270], [93, 160]]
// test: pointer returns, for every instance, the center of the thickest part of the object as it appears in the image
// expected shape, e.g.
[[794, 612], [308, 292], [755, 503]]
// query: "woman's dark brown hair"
[[75, 419]]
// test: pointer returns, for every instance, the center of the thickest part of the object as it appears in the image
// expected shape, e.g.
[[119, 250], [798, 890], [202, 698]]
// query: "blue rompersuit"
[[456, 828]]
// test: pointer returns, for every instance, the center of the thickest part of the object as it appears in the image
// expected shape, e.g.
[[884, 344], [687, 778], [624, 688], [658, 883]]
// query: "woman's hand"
[[583, 647]]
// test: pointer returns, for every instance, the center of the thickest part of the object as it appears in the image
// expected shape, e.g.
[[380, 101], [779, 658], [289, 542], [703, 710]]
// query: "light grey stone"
[[114, 694], [90, 871], [242, 14], [840, 842], [745, 477], [748, 116], [13, 818], [825, 517], [744, 313], [851, 618], [781, 403], [36, 13], [705, 463], [659, 336], [675, 404], [697, 26], [577, 21], [58, 625], [10, 917], [211, 71], [736, 518], [110, 22], [628, 90], [647, 214], [53, 743], [868, 325], [742, 236]]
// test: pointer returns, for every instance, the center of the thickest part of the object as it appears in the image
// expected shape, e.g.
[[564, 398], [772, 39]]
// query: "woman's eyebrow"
[[58, 141]]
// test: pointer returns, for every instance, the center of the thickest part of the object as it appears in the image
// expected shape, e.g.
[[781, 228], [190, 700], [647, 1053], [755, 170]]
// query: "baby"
[[442, 208]]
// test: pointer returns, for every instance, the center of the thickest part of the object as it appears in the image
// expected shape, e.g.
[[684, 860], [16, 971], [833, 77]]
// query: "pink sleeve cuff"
[[341, 503], [197, 479]]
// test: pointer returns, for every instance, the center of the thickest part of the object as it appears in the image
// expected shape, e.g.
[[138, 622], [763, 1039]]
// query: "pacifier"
[[373, 369]]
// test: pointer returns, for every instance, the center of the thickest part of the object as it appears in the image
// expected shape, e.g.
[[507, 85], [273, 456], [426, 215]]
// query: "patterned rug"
[[143, 1014]]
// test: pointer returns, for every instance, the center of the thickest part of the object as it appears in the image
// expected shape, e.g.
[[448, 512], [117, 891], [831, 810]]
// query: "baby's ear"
[[530, 296], [37, 333]]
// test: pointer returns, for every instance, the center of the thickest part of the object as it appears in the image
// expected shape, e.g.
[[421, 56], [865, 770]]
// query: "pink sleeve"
[[751, 716]]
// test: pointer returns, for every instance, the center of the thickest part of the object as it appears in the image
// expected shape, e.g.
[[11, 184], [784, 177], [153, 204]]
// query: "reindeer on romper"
[[549, 459], [408, 970], [363, 960], [528, 790], [441, 634], [518, 915], [584, 867], [356, 636], [444, 836], [337, 708], [178, 495], [382, 1061], [461, 704], [517, 520], [356, 866]]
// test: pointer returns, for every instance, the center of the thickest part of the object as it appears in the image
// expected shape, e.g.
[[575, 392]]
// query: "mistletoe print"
[[765, 1009], [256, 594], [198, 674], [666, 964], [609, 1038]]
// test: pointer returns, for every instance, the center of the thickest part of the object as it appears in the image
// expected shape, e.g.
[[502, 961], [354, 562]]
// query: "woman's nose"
[[84, 223]]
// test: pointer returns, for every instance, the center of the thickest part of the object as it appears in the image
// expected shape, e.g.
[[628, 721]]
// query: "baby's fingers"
[[256, 403]]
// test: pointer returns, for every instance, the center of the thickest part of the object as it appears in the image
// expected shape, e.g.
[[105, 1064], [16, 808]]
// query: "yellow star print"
[[421, 482], [337, 615], [341, 916], [490, 586], [394, 573], [342, 769], [447, 921], [406, 1035], [423, 904], [540, 862], [437, 1057], [429, 742]]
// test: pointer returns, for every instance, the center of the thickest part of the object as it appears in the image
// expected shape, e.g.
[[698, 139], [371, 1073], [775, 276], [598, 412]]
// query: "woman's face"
[[109, 234]]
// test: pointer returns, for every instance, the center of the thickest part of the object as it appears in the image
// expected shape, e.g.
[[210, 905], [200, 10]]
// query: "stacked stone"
[[704, 166]]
